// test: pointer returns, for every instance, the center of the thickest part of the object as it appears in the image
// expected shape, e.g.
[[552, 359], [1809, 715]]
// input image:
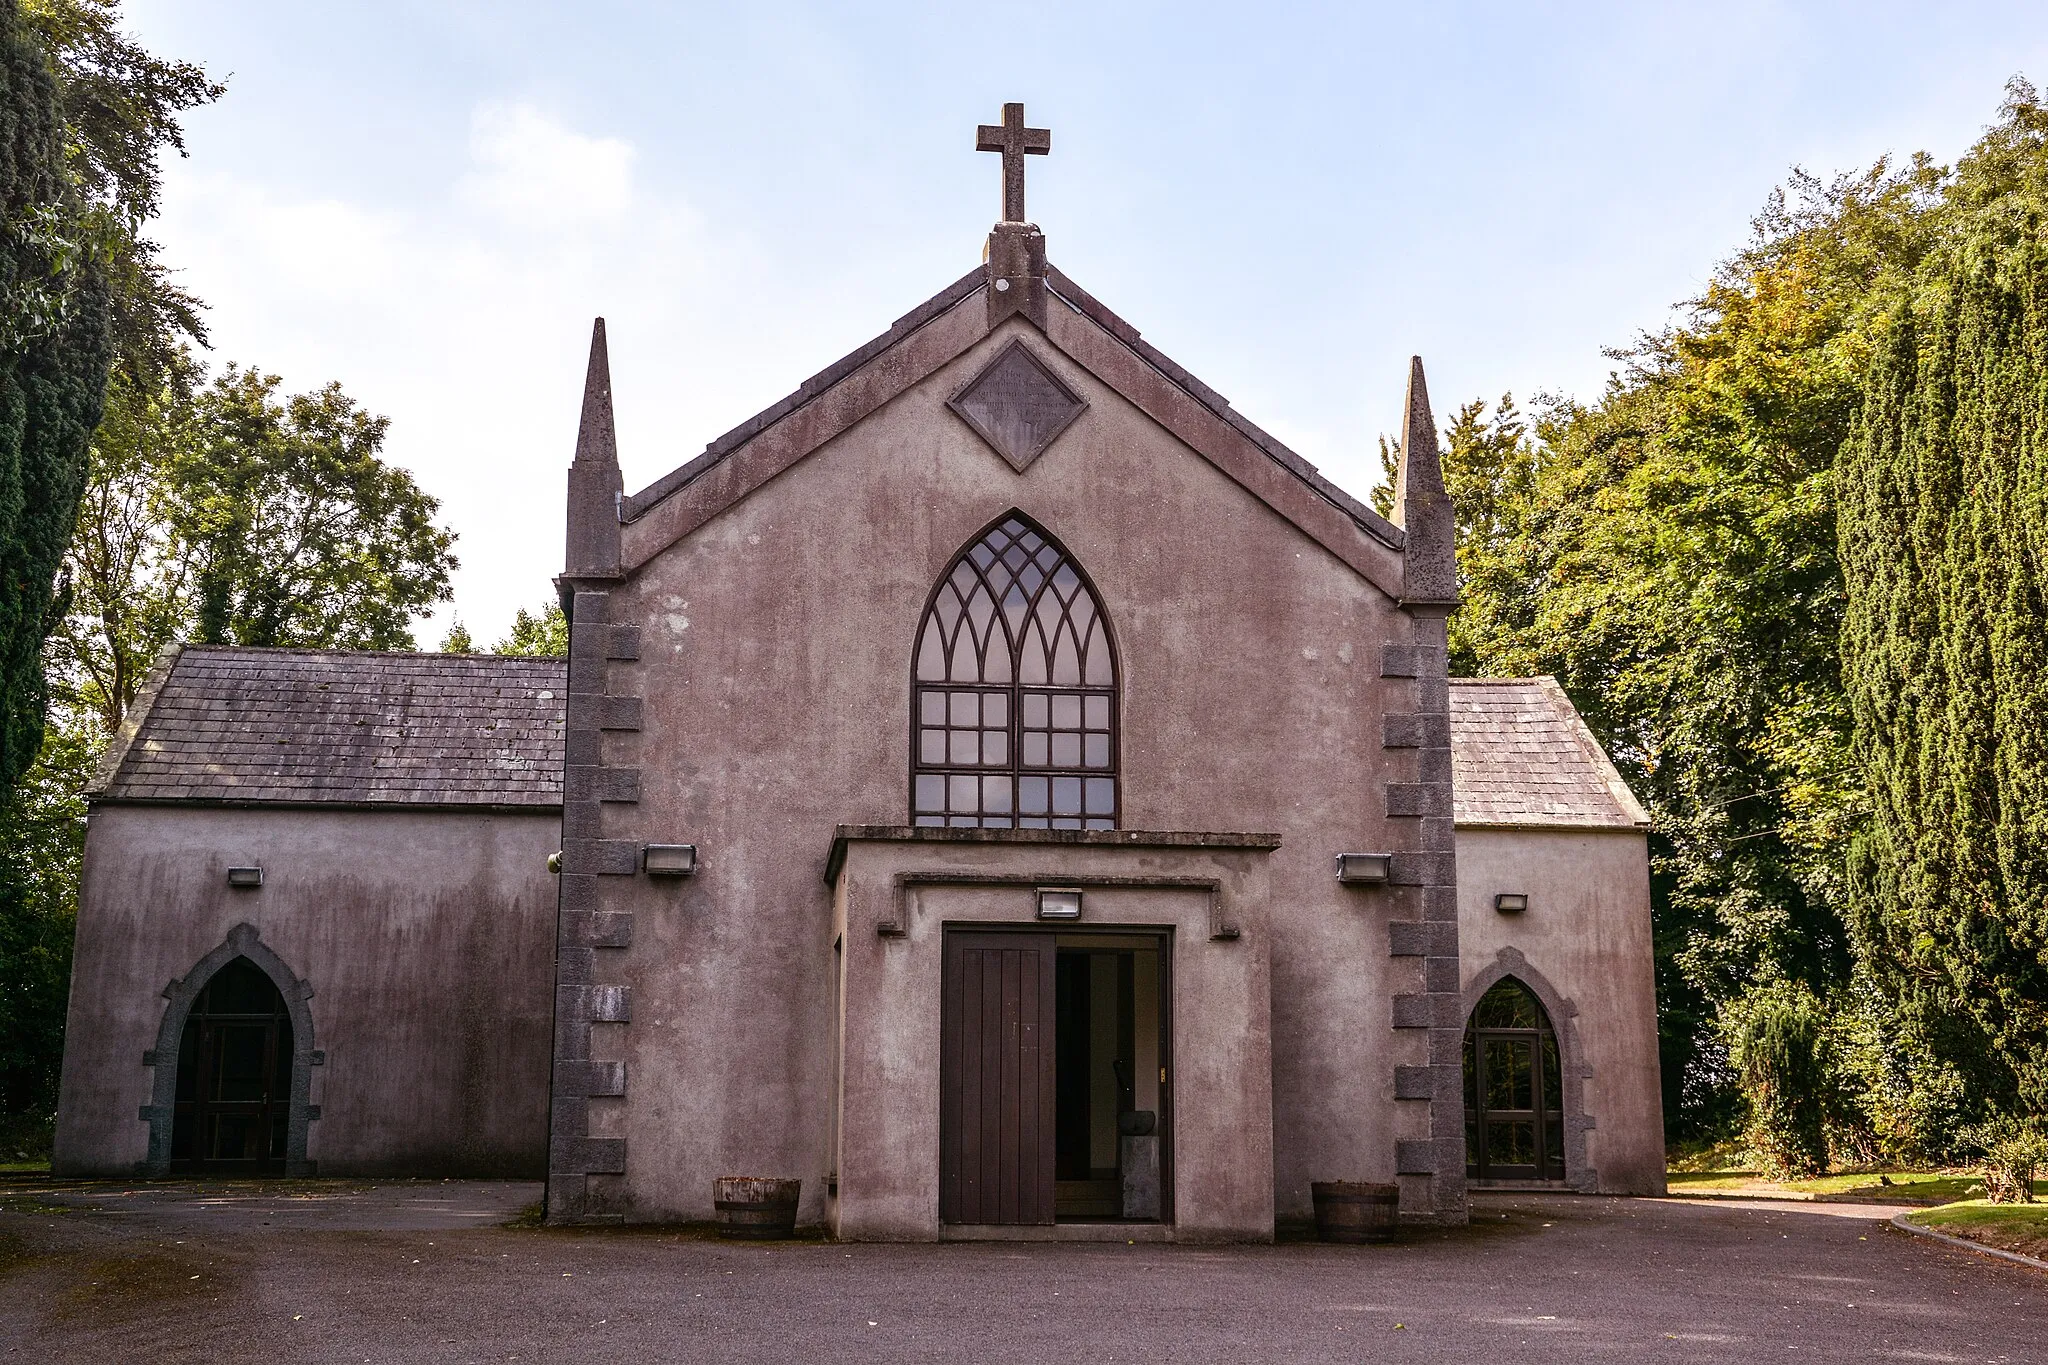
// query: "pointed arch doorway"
[[232, 1113], [1514, 1088]]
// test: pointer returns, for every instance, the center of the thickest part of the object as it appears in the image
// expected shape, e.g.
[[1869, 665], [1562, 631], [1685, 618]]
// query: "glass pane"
[[932, 707], [1066, 712], [995, 795], [1065, 822], [995, 747], [962, 793], [931, 654], [1553, 1078], [1508, 1080], [1096, 752], [931, 746], [238, 1074], [1508, 1005], [995, 709], [1510, 1142], [931, 791], [1066, 796], [239, 988], [1032, 796], [1035, 748], [1037, 709], [1096, 710], [1066, 750], [1101, 796], [966, 746], [1100, 823], [1553, 1149], [966, 710]]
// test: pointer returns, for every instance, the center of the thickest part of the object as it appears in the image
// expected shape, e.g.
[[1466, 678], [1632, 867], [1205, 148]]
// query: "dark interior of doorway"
[[234, 1077], [1110, 1062]]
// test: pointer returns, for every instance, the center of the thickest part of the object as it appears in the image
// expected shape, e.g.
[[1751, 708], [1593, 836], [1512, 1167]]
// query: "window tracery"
[[1014, 697]]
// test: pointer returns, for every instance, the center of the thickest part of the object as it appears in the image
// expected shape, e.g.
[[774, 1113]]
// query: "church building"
[[999, 785]]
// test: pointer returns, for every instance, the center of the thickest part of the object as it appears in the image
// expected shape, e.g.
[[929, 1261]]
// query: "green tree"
[[1669, 554], [537, 633], [42, 834], [299, 533], [120, 107], [55, 352], [1944, 541], [458, 640], [130, 576]]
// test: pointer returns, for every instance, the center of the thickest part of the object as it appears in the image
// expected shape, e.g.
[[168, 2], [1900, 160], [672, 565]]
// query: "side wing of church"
[[999, 785]]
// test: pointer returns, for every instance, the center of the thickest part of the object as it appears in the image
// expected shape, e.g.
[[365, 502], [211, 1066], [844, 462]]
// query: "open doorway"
[[1110, 1066], [1056, 1068]]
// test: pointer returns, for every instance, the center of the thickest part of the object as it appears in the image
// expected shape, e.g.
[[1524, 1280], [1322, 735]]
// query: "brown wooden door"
[[996, 1066]]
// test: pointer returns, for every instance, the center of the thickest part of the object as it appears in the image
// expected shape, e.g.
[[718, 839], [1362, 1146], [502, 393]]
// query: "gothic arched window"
[[1014, 699]]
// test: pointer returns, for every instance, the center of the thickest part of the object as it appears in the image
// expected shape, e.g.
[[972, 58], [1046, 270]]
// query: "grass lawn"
[[2010, 1227], [1901, 1187]]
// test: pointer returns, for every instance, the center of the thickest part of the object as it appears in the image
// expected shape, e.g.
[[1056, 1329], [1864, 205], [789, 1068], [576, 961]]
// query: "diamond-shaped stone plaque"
[[1018, 405]]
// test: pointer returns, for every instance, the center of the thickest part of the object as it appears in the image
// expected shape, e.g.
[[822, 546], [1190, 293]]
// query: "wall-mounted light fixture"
[[246, 878], [1511, 902], [1058, 903], [669, 860], [1364, 869]]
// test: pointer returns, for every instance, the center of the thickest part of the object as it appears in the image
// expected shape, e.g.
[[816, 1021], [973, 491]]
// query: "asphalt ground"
[[427, 1272]]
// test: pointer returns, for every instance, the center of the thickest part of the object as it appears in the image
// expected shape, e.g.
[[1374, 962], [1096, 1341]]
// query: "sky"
[[429, 202]]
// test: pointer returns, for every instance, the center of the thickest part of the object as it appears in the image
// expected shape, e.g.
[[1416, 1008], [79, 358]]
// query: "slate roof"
[[1520, 756], [332, 727]]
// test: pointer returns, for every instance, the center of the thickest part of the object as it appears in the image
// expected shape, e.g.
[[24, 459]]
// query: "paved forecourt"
[[420, 1272]]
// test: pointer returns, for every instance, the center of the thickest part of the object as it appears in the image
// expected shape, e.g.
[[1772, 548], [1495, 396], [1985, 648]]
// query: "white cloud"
[[469, 331], [531, 171]]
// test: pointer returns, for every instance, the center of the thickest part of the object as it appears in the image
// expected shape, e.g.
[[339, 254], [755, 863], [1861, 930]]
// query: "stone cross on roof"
[[1015, 142]]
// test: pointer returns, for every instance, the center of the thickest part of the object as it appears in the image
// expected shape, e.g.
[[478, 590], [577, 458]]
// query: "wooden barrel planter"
[[755, 1208], [1354, 1211]]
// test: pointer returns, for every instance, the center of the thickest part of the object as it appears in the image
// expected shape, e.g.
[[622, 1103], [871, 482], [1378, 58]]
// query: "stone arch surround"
[[1579, 1174], [242, 941]]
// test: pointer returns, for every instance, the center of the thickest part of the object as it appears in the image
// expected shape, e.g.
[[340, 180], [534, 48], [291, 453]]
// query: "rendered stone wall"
[[1584, 943], [774, 665], [424, 938]]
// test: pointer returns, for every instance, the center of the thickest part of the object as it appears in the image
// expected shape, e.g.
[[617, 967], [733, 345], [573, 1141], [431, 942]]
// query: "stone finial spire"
[[594, 482], [1422, 507]]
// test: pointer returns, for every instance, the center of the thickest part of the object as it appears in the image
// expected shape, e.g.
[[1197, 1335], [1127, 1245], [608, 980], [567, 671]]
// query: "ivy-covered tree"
[[1944, 543], [55, 352]]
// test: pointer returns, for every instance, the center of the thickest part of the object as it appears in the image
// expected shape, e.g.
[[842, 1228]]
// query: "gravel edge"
[[1904, 1223]]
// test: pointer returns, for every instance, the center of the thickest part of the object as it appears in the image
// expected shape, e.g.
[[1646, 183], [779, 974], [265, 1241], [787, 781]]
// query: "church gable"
[[1016, 404]]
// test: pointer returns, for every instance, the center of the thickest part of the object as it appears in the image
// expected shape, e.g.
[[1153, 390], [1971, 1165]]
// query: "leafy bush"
[[2013, 1150], [1778, 1041]]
